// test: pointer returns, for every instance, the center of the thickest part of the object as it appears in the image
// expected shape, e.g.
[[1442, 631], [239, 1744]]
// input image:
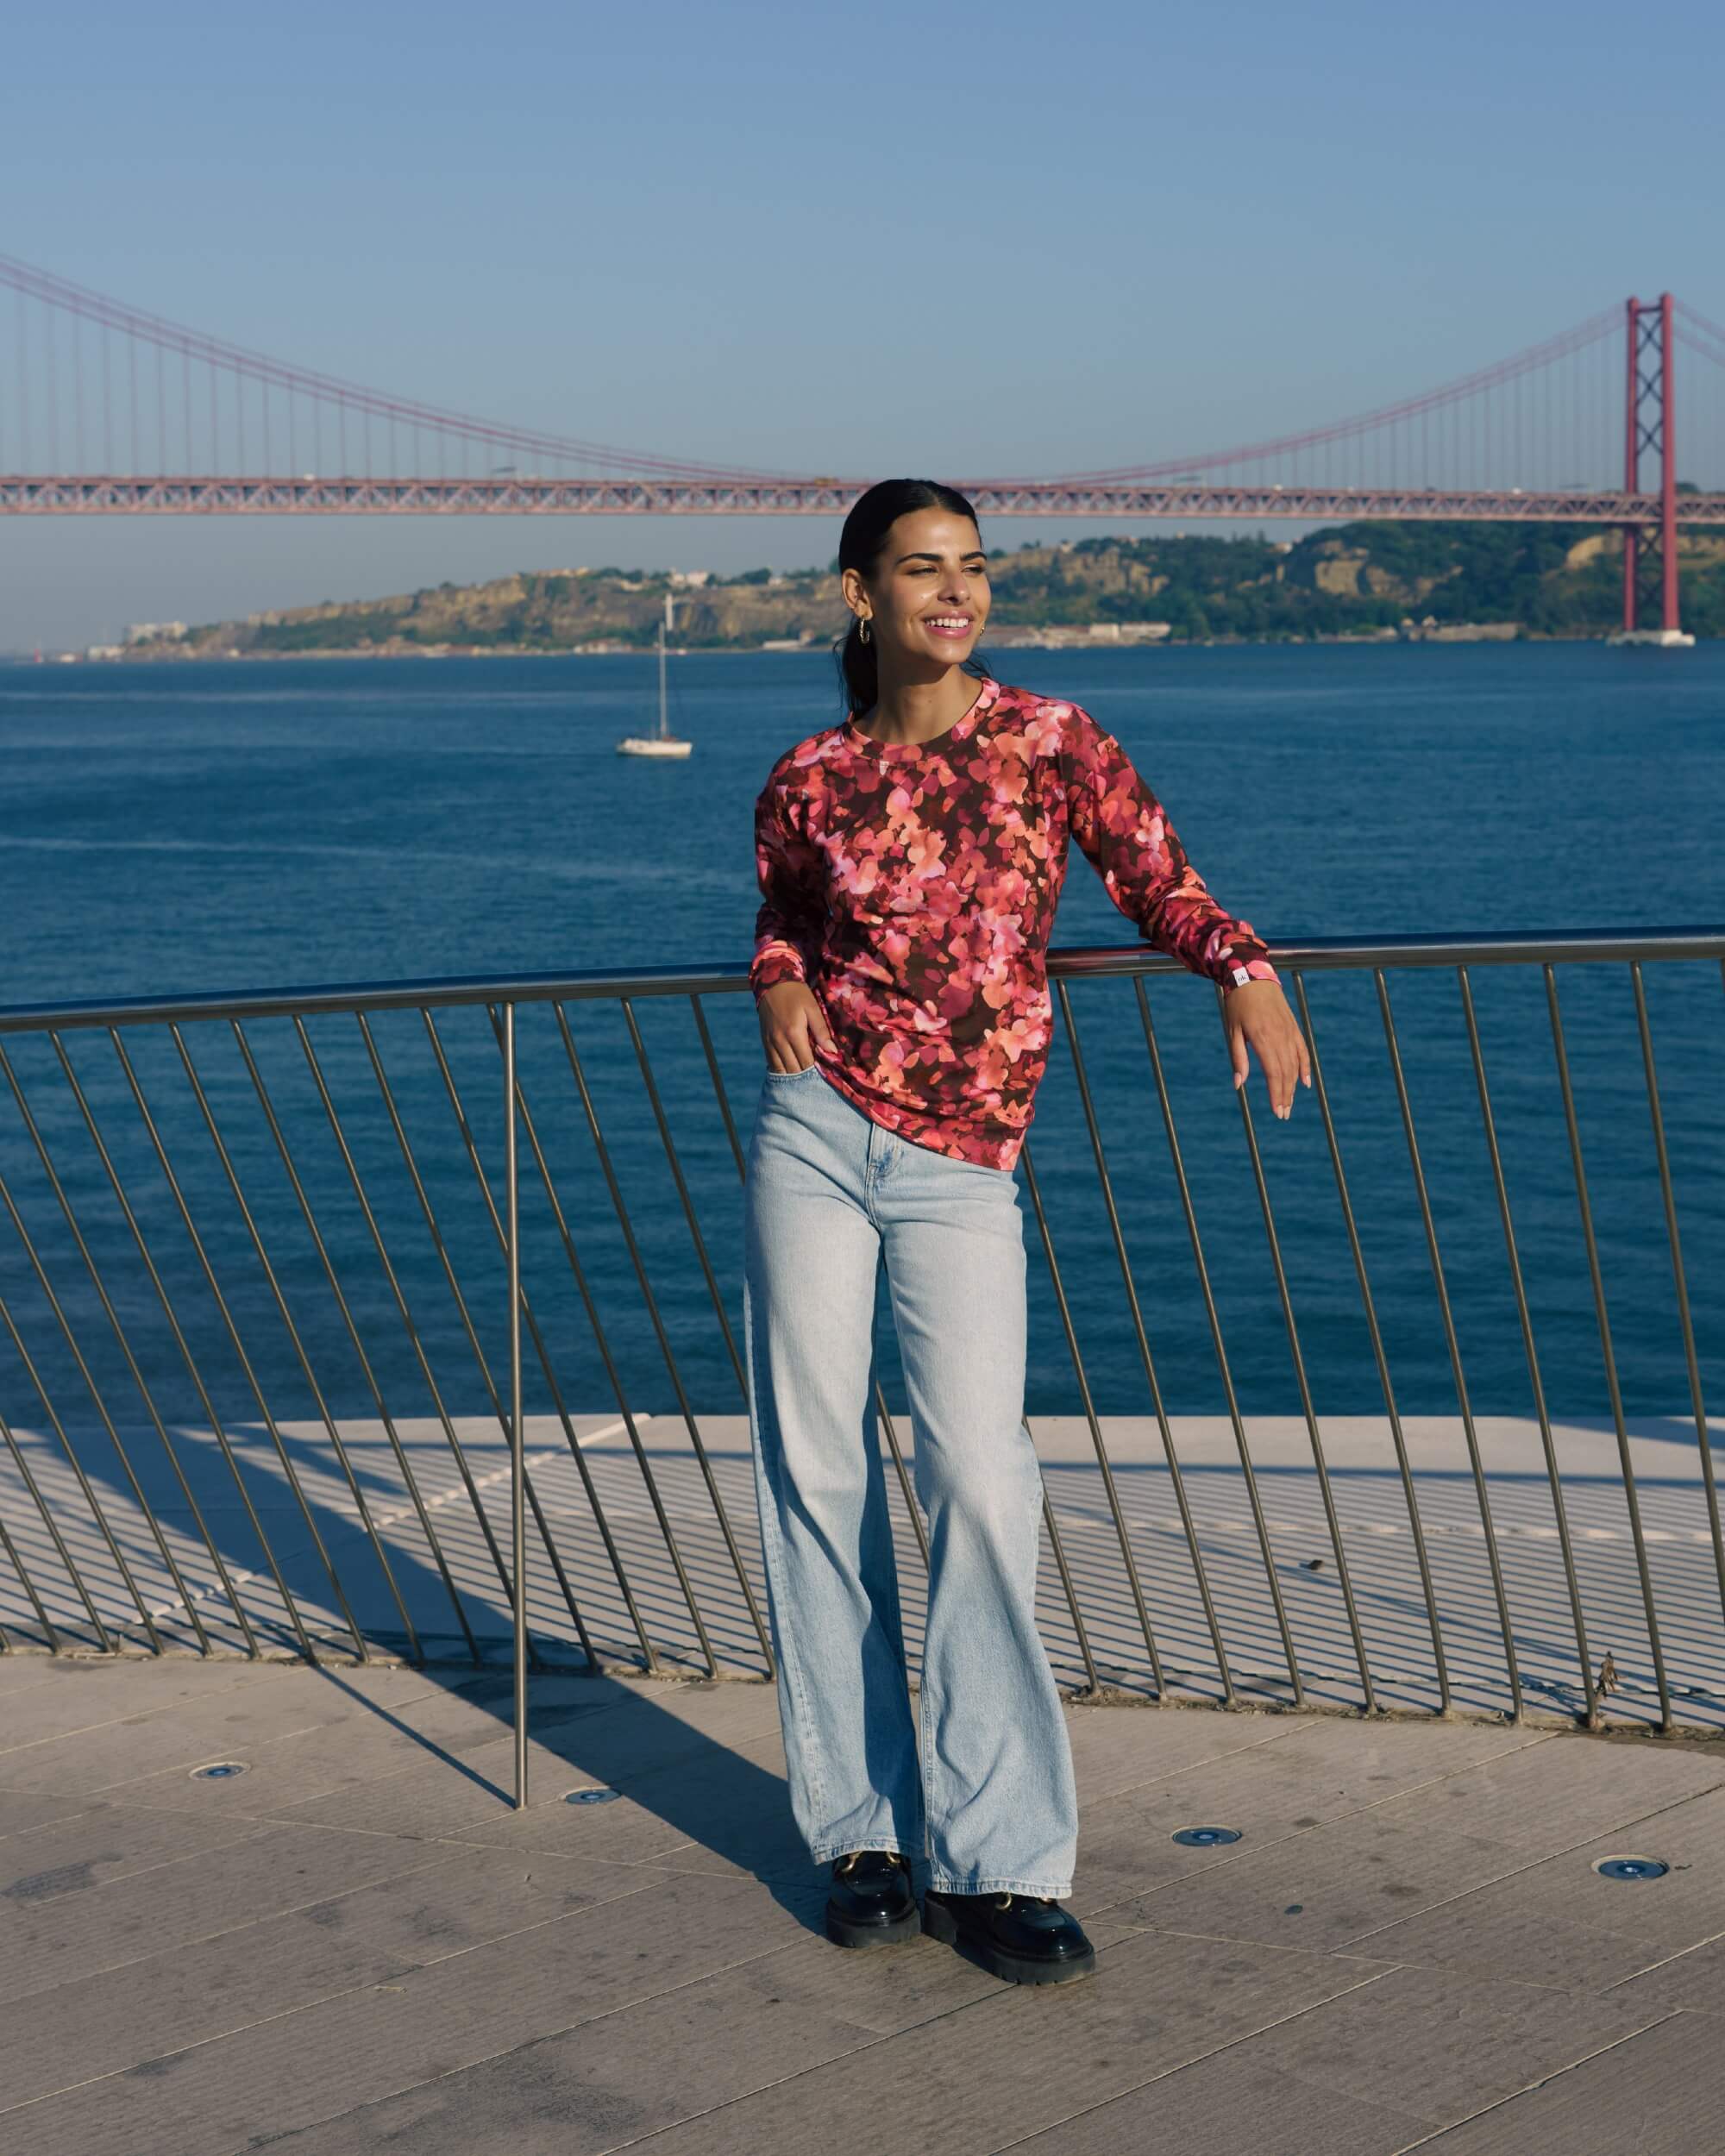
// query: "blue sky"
[[880, 239]]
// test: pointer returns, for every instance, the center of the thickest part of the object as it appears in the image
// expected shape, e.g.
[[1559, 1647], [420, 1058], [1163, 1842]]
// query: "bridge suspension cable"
[[197, 351], [1582, 337]]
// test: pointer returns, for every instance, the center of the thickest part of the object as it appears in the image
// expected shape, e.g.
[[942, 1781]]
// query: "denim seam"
[[925, 1844], [925, 1730], [788, 1660], [893, 1614], [792, 1665], [871, 1175], [830, 1852], [942, 1884], [896, 1634]]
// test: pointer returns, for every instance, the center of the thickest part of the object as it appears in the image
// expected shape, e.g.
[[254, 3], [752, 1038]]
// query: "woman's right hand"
[[791, 1022]]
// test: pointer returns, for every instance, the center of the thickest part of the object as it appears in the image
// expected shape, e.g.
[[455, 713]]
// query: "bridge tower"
[[1650, 565]]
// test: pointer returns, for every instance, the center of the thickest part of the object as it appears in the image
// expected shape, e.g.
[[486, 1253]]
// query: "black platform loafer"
[[871, 1903], [1026, 1938]]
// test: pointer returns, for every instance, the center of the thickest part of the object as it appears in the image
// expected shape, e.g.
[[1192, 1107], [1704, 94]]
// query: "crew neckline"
[[909, 751]]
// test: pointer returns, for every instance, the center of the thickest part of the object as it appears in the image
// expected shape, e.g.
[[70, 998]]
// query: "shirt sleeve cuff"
[[778, 962]]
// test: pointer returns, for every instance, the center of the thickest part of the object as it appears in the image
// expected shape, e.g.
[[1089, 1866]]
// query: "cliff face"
[[1550, 580]]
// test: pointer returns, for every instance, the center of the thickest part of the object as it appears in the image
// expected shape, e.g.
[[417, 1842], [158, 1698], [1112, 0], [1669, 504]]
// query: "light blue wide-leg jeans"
[[830, 1196]]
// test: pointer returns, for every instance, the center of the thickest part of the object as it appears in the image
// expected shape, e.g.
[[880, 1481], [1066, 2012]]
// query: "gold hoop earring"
[[862, 629]]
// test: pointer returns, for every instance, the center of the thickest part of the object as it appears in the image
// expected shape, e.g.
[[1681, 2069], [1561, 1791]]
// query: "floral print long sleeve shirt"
[[914, 886]]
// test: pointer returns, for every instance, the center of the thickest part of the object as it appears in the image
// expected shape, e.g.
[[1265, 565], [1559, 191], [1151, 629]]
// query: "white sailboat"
[[664, 742]]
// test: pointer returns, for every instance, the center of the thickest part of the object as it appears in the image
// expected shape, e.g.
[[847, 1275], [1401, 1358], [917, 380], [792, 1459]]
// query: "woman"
[[910, 859]]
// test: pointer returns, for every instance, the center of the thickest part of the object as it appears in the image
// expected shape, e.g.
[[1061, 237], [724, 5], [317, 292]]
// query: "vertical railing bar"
[[1453, 1344], [319, 1401], [602, 1341], [107, 1421], [1102, 1461], [57, 1539], [881, 1408], [180, 1341], [719, 1091], [1398, 1436], [1344, 1577], [1176, 1479], [657, 1320], [1524, 1314], [518, 1454], [1213, 1317], [687, 1202], [29, 1588], [309, 1216], [464, 1316], [1631, 1500], [402, 1305], [1678, 1277], [137, 1374], [187, 1221], [1080, 1629], [59, 1428], [588, 1485]]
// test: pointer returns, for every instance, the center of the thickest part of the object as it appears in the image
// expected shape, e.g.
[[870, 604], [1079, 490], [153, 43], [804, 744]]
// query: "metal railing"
[[302, 1286]]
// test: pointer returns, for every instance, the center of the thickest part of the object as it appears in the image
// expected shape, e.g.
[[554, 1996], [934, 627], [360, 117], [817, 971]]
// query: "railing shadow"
[[726, 1812]]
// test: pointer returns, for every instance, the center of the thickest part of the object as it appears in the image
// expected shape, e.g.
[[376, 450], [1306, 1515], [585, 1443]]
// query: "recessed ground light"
[[1631, 1868], [1206, 1837], [223, 1771], [592, 1797]]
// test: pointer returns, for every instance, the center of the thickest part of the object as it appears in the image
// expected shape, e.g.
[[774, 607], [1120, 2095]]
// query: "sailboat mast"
[[663, 626]]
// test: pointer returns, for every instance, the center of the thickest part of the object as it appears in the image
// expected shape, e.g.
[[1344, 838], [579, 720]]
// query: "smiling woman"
[[910, 860], [930, 594]]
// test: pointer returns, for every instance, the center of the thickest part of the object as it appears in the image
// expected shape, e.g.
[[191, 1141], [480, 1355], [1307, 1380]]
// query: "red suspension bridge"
[[111, 411]]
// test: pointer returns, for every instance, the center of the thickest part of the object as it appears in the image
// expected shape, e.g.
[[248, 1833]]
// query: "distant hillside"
[[1356, 579], [1547, 579]]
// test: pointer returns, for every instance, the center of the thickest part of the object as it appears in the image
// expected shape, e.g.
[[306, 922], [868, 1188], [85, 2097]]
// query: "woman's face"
[[927, 597]]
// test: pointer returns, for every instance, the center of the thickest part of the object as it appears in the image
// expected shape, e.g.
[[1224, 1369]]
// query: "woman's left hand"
[[1256, 1011]]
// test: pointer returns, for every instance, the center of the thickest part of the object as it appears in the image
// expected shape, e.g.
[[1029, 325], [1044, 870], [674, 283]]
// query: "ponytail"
[[872, 517], [858, 670]]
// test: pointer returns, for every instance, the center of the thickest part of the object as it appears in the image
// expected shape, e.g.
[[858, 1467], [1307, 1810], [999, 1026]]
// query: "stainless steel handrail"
[[1072, 962]]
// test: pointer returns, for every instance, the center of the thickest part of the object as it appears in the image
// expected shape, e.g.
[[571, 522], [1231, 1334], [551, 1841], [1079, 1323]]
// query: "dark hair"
[[872, 517]]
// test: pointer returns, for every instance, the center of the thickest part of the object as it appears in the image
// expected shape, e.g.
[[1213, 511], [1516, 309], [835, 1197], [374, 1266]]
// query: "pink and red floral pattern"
[[913, 888]]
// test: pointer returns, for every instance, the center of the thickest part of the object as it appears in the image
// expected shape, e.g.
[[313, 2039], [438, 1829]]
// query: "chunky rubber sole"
[[843, 1931], [939, 1923]]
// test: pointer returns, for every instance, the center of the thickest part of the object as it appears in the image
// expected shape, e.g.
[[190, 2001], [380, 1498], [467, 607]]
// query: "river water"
[[226, 826]]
